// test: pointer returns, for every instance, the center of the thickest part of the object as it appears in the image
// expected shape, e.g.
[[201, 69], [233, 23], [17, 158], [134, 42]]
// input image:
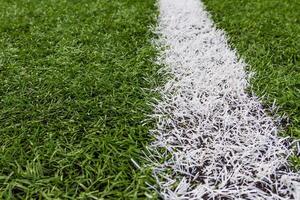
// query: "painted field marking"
[[220, 142]]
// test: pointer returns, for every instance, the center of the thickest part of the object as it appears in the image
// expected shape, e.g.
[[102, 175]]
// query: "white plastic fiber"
[[219, 142]]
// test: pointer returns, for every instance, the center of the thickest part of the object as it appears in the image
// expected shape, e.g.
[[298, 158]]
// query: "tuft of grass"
[[267, 36], [73, 79]]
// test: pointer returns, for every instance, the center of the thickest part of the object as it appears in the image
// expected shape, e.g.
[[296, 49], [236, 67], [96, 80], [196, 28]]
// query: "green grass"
[[267, 36], [72, 97]]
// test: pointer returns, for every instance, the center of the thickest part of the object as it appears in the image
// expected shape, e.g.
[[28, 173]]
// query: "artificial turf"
[[74, 94], [267, 35]]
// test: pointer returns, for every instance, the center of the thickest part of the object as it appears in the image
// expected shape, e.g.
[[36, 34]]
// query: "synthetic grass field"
[[75, 80], [73, 97], [266, 35]]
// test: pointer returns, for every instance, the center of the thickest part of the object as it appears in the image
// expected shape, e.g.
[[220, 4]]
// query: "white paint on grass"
[[220, 142]]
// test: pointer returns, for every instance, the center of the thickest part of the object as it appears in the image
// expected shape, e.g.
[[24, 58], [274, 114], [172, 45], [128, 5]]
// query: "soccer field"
[[87, 87]]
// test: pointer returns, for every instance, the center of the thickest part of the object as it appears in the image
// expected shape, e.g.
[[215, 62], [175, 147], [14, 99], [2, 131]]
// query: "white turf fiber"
[[219, 142]]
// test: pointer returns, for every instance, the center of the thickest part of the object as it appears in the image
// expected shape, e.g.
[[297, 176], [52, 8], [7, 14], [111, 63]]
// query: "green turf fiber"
[[72, 97], [266, 33]]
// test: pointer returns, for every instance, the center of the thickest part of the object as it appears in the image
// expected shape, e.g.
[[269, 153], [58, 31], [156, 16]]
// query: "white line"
[[219, 142]]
